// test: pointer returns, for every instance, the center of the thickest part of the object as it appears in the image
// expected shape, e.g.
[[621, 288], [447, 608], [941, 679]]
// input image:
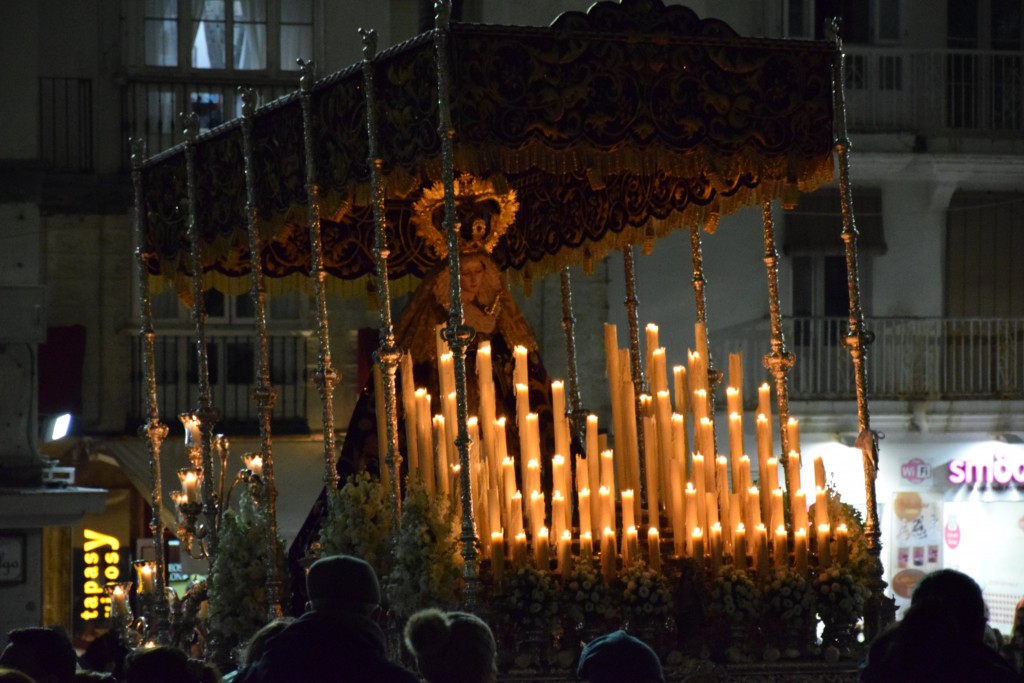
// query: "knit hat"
[[341, 582], [617, 657], [453, 647]]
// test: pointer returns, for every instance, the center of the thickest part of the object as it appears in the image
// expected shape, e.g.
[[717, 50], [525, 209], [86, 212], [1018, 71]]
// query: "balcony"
[[911, 359], [935, 92], [232, 363]]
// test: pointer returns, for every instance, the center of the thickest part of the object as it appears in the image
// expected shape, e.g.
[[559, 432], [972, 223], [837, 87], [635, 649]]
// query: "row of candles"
[[711, 506]]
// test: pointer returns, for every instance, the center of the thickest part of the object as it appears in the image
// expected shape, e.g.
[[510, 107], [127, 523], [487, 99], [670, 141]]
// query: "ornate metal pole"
[[206, 413], [577, 415], [700, 301], [154, 430], [388, 354], [880, 610], [263, 394], [326, 376], [635, 366], [458, 334], [779, 361]]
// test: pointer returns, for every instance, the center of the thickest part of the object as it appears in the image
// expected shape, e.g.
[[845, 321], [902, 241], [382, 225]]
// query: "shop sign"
[[102, 557], [1000, 470], [916, 471]]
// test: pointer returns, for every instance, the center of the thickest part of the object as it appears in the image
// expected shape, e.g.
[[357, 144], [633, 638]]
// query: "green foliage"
[[646, 593], [529, 598], [587, 599], [359, 522], [788, 596], [238, 604], [427, 566], [734, 595]]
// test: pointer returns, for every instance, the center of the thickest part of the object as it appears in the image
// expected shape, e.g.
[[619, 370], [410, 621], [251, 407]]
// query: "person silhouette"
[[940, 638]]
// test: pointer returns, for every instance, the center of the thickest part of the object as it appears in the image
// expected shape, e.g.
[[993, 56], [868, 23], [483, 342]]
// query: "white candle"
[[781, 547], [519, 550], [438, 435], [497, 555], [608, 556], [761, 552], [842, 544], [521, 369], [654, 549], [627, 508], [800, 551], [716, 547], [631, 547], [697, 543], [558, 508], [542, 549], [682, 389], [739, 545], [824, 546], [820, 507], [586, 523], [189, 479], [565, 554], [586, 545]]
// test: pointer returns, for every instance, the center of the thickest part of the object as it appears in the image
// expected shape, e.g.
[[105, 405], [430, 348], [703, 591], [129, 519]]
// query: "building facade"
[[936, 118]]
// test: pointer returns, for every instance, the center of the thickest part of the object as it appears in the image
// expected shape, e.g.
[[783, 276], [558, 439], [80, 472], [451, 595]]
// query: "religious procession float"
[[454, 165]]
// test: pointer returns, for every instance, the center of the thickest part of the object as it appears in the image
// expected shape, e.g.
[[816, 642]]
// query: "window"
[[984, 249], [228, 35], [877, 21]]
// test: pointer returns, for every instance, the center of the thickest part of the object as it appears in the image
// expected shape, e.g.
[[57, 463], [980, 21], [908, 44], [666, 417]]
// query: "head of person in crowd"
[[161, 664], [452, 647], [253, 649], [343, 584], [956, 594], [45, 654], [617, 657]]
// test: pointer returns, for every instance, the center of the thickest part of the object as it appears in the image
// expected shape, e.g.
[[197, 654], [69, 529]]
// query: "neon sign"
[[101, 561], [1001, 470]]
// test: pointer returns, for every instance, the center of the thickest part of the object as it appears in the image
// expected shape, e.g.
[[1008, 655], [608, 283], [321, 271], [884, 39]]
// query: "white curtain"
[[250, 34]]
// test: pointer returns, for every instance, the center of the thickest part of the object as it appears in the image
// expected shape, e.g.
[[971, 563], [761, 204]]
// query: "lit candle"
[[533, 476], [722, 479], [254, 463], [781, 547], [119, 601], [799, 512], [607, 506], [631, 548], [627, 508], [773, 473], [586, 524], [193, 435], [678, 520], [819, 472], [189, 478], [508, 480], [842, 544], [608, 555], [438, 434], [146, 570], [716, 547], [736, 448], [824, 546], [753, 508], [654, 549], [692, 518], [536, 511], [516, 514], [820, 507], [565, 555], [764, 401], [558, 508], [519, 550], [761, 554], [777, 513], [659, 371], [793, 434], [497, 555], [739, 547], [700, 483], [541, 549], [745, 479], [560, 421], [800, 551], [521, 369], [697, 543], [586, 546], [593, 465], [608, 469], [764, 452], [681, 388]]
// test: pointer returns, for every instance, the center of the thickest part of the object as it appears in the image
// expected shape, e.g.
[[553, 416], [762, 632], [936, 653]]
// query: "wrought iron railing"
[[910, 358], [150, 107], [232, 378], [65, 124], [935, 92]]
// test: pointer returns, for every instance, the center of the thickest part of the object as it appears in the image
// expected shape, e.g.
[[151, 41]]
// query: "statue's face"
[[471, 274]]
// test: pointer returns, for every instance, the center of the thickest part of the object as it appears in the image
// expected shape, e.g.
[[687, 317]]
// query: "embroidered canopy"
[[614, 127]]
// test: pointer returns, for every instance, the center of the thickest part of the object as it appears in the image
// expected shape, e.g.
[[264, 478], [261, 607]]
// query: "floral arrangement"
[[734, 595], [788, 596], [358, 522], [588, 600], [529, 598], [427, 567], [647, 593], [237, 584], [841, 595]]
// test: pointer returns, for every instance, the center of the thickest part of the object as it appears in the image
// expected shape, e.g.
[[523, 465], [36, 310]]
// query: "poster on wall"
[[915, 548], [986, 541]]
